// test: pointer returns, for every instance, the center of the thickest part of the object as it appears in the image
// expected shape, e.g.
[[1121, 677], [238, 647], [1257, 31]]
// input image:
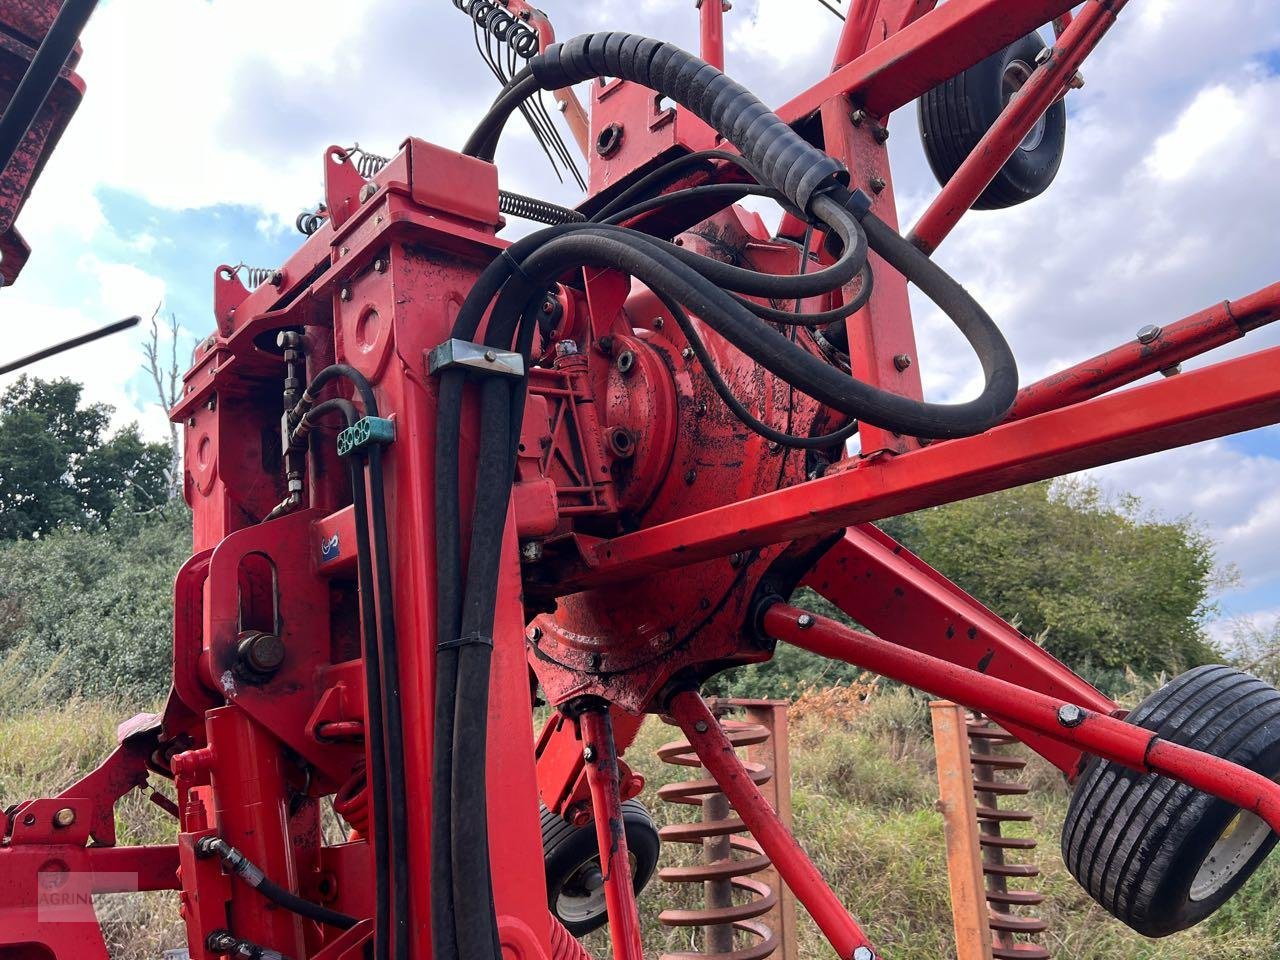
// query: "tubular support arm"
[[1095, 733]]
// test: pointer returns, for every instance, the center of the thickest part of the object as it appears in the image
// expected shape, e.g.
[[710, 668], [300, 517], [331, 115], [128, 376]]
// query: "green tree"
[[92, 607], [58, 465], [1105, 587], [1103, 584]]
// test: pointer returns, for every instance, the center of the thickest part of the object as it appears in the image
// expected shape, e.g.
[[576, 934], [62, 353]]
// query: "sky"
[[201, 134]]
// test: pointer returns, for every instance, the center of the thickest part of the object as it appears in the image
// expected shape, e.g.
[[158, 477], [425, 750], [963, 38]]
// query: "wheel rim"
[[1229, 856], [1015, 76], [580, 898]]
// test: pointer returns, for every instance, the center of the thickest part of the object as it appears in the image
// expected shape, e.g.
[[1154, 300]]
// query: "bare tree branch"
[[165, 377]]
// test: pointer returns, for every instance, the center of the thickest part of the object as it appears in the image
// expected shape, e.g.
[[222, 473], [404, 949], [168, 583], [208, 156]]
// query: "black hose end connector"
[[784, 159]]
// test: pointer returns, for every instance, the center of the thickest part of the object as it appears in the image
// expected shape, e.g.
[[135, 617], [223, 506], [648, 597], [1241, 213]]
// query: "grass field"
[[863, 796]]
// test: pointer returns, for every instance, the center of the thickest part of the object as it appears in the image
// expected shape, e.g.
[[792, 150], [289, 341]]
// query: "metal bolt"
[[261, 654], [490, 356], [735, 559], [221, 941], [589, 753], [64, 817], [1044, 55], [380, 265], [774, 446], [625, 362], [213, 403], [532, 551], [1069, 715], [535, 634], [877, 184], [657, 323], [1149, 333], [690, 476], [345, 294], [804, 621], [901, 362], [277, 278], [858, 116], [687, 353], [566, 348], [701, 726], [367, 191], [191, 421], [1172, 371], [863, 953]]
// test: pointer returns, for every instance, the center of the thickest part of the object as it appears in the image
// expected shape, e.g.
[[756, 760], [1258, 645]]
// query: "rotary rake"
[[433, 471]]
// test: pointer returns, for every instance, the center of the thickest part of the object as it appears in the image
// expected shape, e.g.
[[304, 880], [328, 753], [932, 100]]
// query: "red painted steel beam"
[[1228, 397], [1016, 120], [611, 835], [934, 48], [1107, 737], [896, 595], [1166, 347], [711, 29], [715, 751]]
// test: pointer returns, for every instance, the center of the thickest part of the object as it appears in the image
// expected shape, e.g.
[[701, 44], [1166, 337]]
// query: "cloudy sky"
[[201, 135]]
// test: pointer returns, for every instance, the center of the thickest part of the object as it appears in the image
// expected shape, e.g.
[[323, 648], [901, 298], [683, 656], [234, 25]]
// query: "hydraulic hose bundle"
[[785, 167]]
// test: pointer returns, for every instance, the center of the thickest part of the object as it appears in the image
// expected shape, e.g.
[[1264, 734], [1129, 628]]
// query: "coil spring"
[[539, 211], [351, 802], [998, 850], [730, 856], [309, 221], [253, 277], [366, 163], [493, 17]]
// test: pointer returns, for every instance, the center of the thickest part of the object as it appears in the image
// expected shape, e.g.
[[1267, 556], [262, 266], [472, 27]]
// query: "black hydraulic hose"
[[41, 75], [472, 882], [822, 318], [664, 175], [637, 255], [375, 734], [382, 682], [374, 730], [333, 372], [483, 142], [394, 721], [784, 159], [448, 628], [736, 406], [728, 191], [250, 873]]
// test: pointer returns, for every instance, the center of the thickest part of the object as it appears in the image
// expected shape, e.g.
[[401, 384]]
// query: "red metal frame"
[[629, 470]]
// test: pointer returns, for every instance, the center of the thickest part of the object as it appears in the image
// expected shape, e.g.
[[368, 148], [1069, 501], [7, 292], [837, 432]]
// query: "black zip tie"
[[468, 640]]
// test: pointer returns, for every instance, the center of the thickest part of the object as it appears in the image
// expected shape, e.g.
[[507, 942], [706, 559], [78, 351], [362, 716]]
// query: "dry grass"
[[863, 795]]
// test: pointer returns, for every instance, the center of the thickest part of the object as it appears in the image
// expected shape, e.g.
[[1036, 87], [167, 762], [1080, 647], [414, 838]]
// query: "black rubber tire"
[[566, 848], [954, 116], [1136, 841]]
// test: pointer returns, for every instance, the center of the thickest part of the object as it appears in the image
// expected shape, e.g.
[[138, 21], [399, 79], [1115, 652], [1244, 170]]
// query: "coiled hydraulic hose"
[[803, 178], [808, 179]]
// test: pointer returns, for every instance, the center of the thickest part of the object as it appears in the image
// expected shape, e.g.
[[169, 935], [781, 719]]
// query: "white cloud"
[[1163, 206]]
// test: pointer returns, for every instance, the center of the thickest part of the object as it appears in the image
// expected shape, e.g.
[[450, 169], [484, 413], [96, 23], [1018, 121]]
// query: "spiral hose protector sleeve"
[[787, 161], [564, 946]]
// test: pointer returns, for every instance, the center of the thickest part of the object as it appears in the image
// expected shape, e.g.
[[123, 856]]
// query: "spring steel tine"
[[985, 737], [735, 900]]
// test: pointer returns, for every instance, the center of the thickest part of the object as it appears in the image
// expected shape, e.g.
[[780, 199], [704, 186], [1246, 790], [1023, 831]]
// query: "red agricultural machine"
[[436, 473]]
